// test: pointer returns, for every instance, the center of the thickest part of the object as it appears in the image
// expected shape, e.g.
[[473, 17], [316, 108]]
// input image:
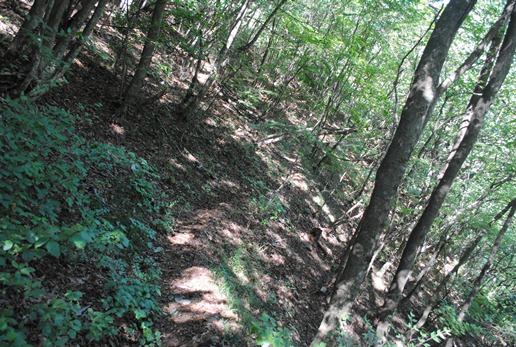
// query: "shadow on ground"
[[239, 258]]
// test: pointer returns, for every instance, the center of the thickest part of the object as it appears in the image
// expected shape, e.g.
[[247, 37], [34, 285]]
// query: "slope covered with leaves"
[[127, 224]]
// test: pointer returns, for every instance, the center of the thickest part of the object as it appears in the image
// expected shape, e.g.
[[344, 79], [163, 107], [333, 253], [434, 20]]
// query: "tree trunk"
[[190, 106], [429, 265], [45, 19], [478, 106], [76, 46], [31, 22], [468, 251], [148, 50], [421, 98], [74, 24], [262, 28]]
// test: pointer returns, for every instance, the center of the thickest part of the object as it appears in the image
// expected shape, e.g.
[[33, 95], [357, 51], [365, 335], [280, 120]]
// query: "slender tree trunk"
[[437, 292], [195, 78], [76, 46], [45, 19], [466, 254], [478, 106], [55, 16], [148, 50], [478, 281], [262, 28], [429, 265], [74, 24], [421, 98], [190, 106], [267, 50]]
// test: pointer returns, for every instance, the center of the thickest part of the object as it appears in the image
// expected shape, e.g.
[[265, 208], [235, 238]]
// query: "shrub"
[[55, 214]]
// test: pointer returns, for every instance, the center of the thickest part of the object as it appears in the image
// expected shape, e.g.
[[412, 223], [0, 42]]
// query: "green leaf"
[[81, 239], [35, 293], [53, 248], [11, 335], [8, 244], [26, 270], [139, 313]]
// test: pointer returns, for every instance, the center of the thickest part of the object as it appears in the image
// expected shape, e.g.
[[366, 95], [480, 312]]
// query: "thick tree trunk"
[[478, 281], [148, 50], [31, 22], [421, 98], [478, 106]]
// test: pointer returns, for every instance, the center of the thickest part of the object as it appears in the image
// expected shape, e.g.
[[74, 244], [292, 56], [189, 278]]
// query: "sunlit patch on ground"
[[300, 181], [196, 297], [182, 239], [117, 129]]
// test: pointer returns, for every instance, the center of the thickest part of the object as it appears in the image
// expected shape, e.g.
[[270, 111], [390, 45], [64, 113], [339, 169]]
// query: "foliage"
[[486, 313], [53, 212], [269, 208], [265, 329], [320, 67], [268, 333]]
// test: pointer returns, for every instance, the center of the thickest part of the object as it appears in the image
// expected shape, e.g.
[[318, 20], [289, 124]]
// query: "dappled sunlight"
[[228, 183], [184, 238], [117, 129], [300, 181], [195, 296], [321, 202], [268, 255], [177, 165], [379, 285], [426, 87], [188, 190], [230, 236]]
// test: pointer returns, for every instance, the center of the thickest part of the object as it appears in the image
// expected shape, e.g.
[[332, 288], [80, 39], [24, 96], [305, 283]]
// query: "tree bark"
[[429, 265], [47, 53], [76, 46], [468, 251], [478, 106], [421, 98], [31, 22], [148, 50]]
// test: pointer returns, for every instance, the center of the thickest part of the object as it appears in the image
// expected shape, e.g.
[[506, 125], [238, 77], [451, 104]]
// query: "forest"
[[257, 173]]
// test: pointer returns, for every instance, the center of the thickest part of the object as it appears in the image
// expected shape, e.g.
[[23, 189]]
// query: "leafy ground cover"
[[141, 228], [145, 228]]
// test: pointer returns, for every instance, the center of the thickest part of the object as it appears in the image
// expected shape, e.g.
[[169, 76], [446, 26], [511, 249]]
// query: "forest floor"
[[243, 214], [240, 261]]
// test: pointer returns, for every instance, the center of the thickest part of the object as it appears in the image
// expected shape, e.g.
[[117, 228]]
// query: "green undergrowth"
[[490, 316], [238, 276], [77, 234]]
